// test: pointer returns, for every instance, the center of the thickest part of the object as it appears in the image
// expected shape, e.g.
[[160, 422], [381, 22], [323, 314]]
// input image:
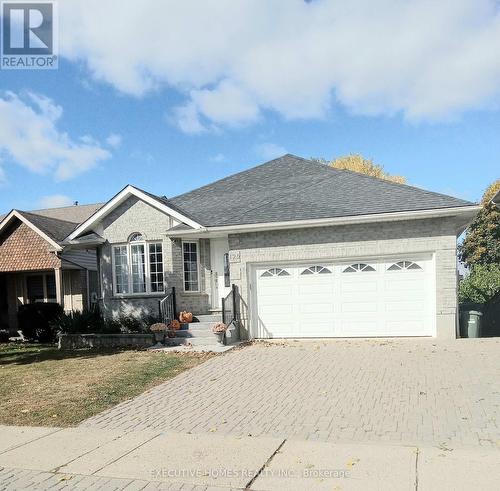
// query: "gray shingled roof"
[[58, 223], [293, 188], [56, 229]]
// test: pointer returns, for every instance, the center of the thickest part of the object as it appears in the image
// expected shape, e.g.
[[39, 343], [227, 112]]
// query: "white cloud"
[[220, 157], [234, 60], [269, 151], [187, 117], [55, 201], [29, 136], [114, 140]]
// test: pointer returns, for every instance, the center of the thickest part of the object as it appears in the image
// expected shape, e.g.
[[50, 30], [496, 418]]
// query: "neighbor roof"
[[56, 229], [58, 223], [292, 188], [75, 213]]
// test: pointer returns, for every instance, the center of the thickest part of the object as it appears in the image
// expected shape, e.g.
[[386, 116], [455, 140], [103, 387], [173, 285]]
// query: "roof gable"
[[45, 228], [24, 249], [157, 202]]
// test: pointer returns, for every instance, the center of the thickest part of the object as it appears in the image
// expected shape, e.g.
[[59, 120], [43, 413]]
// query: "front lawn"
[[41, 385]]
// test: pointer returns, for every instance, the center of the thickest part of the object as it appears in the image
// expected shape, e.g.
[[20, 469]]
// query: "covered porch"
[[69, 287]]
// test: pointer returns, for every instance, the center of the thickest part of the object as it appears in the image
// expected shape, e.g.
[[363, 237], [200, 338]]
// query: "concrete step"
[[189, 333], [212, 341], [208, 341], [216, 317]]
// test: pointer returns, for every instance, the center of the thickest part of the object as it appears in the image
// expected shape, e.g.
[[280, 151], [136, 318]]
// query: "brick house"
[[36, 266], [312, 251]]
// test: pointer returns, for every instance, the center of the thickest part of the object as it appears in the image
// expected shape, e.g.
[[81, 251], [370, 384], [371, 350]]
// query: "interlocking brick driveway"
[[408, 391]]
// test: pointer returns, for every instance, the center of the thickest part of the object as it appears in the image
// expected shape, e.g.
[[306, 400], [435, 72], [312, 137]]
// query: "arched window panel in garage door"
[[358, 268], [275, 272], [404, 265], [316, 270]]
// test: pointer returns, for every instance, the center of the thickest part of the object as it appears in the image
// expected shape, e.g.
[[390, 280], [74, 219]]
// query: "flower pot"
[[159, 336], [221, 337]]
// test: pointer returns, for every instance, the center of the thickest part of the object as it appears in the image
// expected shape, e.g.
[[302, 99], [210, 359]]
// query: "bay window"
[[138, 267]]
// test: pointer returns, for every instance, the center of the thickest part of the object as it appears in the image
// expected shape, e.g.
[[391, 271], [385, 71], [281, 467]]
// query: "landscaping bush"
[[35, 321], [79, 322], [481, 285], [93, 322]]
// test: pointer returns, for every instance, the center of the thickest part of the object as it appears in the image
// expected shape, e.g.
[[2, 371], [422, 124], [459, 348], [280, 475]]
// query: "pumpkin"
[[186, 317], [175, 325]]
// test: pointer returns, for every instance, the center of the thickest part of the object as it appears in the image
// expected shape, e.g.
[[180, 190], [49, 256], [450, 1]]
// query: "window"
[[190, 259], [358, 267], [121, 269], [275, 272], [35, 287], [41, 288], [316, 270], [50, 286], [227, 276], [401, 265], [138, 266], [156, 267]]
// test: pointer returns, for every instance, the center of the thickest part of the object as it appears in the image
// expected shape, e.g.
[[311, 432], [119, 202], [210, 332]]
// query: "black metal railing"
[[229, 306], [168, 307]]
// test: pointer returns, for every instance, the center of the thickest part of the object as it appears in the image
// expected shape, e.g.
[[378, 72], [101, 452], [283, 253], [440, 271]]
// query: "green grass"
[[41, 385]]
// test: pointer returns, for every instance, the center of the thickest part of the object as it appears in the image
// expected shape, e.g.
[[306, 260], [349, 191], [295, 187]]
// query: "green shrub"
[[93, 322], [481, 285], [79, 322], [35, 321]]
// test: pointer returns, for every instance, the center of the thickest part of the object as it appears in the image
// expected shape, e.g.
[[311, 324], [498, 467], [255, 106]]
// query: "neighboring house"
[[313, 252], [35, 265]]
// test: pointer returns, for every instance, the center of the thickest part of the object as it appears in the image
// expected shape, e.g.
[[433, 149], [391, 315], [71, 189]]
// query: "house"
[[312, 252], [36, 266]]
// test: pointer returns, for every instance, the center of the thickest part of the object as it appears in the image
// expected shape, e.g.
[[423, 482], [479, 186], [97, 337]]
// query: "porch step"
[[203, 341], [214, 317], [198, 330], [211, 341]]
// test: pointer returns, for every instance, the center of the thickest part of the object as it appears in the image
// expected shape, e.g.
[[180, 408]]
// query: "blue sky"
[[181, 122]]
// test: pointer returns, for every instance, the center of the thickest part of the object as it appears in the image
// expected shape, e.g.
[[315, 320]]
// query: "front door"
[[219, 261]]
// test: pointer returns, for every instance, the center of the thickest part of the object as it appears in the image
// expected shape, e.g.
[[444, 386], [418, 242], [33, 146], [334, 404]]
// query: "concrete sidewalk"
[[88, 458]]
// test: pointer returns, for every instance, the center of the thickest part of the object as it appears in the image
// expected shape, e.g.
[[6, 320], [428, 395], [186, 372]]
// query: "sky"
[[171, 95]]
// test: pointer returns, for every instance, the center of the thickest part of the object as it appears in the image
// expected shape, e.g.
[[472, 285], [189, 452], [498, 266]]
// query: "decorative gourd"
[[185, 317], [158, 327], [175, 325]]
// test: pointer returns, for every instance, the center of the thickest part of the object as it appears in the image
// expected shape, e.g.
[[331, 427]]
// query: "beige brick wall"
[[134, 215], [436, 236]]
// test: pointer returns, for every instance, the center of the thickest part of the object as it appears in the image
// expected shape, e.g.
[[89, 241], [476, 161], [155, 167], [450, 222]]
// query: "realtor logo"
[[29, 35]]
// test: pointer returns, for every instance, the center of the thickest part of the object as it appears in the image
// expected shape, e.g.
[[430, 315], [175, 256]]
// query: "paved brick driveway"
[[406, 391]]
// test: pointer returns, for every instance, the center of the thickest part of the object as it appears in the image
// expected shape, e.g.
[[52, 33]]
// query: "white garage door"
[[359, 298]]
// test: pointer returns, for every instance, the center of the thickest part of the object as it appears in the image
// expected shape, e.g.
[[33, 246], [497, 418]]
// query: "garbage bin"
[[470, 324]]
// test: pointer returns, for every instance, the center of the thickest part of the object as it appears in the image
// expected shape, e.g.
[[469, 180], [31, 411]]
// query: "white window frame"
[[197, 242], [147, 274]]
